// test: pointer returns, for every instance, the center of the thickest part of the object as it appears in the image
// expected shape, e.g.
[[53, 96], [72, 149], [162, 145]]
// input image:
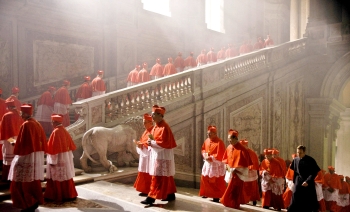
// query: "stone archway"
[[336, 86]]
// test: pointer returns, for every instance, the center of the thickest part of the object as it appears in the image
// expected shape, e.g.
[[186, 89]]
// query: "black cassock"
[[304, 198]]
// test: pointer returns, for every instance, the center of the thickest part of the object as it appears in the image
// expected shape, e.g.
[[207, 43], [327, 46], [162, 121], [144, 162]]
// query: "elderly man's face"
[[211, 135], [147, 123], [157, 117]]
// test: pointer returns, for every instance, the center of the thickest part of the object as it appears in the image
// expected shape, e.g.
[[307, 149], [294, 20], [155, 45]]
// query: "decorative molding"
[[54, 61], [248, 121], [6, 42], [96, 113]]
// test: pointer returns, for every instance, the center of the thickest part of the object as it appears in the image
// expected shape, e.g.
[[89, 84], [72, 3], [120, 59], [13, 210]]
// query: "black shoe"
[[148, 201], [142, 194], [204, 197], [254, 203], [170, 197], [216, 199], [266, 207], [31, 208]]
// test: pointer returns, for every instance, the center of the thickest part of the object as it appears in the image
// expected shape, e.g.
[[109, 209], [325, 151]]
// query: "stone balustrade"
[[116, 107]]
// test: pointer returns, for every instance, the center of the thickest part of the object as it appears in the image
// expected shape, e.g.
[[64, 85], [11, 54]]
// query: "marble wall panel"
[[55, 61], [183, 153], [248, 116], [295, 117], [6, 45], [48, 58]]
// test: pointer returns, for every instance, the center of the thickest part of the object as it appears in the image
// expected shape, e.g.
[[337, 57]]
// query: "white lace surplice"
[[265, 185], [27, 168], [7, 153], [161, 161], [328, 196], [60, 167], [319, 191], [59, 108], [43, 113], [215, 168], [143, 160]]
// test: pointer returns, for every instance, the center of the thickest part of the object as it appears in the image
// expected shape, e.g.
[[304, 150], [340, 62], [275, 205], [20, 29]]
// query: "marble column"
[[342, 155], [322, 124], [294, 19]]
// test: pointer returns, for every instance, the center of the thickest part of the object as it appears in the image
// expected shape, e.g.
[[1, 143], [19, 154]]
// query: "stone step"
[[187, 199], [78, 179]]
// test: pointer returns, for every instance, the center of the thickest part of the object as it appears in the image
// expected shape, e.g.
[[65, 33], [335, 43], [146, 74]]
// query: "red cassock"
[[179, 63], [190, 62], [17, 102], [84, 91], [26, 176], [243, 49], [60, 167], [44, 111], [212, 182], [251, 188], [287, 195], [332, 181], [344, 190], [237, 157], [157, 70], [98, 84], [143, 76], [169, 69], [61, 105], [211, 56], [11, 123], [162, 182], [231, 52], [143, 180], [269, 198], [2, 112], [202, 59], [221, 55], [133, 77], [319, 181], [259, 45]]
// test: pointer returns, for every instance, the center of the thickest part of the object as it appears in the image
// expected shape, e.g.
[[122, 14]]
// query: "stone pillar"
[[342, 155], [322, 123], [294, 19]]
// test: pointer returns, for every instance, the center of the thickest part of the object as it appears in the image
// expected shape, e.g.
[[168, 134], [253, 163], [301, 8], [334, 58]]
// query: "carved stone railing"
[[177, 90]]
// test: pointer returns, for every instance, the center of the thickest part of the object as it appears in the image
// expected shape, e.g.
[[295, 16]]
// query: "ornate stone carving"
[[247, 121], [250, 111], [278, 119], [183, 153], [6, 71], [56, 61], [96, 113], [295, 113]]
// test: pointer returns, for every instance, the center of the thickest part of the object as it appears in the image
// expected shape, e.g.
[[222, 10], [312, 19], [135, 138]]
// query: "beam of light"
[[157, 6]]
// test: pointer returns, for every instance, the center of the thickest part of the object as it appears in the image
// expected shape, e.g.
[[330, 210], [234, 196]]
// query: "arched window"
[[157, 6], [214, 15]]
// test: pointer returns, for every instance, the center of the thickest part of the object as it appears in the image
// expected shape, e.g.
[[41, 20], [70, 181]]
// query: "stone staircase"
[[78, 179], [116, 193]]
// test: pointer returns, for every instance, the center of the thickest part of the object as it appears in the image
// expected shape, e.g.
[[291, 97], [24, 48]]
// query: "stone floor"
[[106, 193]]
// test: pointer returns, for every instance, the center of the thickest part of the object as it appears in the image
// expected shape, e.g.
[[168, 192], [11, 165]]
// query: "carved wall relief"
[[96, 113], [295, 120], [6, 75], [183, 153], [49, 58], [55, 61], [278, 120], [248, 121], [248, 116]]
